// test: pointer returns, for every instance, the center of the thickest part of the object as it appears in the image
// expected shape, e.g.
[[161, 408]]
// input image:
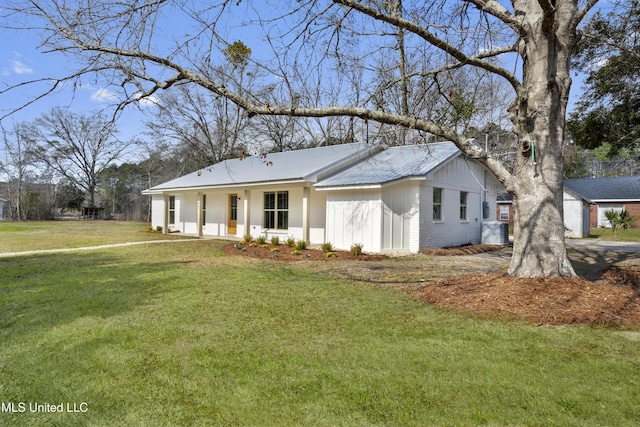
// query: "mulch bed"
[[461, 250], [614, 299], [284, 253]]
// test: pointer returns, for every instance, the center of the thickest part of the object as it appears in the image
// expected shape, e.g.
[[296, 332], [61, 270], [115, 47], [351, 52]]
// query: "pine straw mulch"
[[612, 299], [284, 253]]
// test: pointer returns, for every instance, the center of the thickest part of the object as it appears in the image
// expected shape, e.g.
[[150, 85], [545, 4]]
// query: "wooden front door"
[[232, 222]]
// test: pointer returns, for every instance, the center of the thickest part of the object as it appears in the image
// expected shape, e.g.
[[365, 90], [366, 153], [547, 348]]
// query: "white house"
[[388, 199]]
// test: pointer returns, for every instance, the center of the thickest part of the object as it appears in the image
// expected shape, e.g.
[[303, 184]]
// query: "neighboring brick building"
[[619, 193], [600, 194]]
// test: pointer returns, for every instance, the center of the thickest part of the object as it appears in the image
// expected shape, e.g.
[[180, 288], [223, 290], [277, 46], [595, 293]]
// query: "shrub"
[[296, 252], [275, 249], [275, 240], [246, 238], [301, 245], [261, 240], [356, 249], [331, 254], [159, 228], [619, 220], [291, 242], [327, 247]]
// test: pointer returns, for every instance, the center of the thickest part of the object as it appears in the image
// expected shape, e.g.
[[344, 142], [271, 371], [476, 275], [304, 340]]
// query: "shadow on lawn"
[[43, 291], [590, 264]]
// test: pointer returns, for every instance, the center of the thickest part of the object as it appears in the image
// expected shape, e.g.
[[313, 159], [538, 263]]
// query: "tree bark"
[[539, 119]]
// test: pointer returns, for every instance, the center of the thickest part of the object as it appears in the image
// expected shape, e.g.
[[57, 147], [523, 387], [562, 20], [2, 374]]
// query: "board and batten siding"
[[354, 216], [382, 220], [401, 204]]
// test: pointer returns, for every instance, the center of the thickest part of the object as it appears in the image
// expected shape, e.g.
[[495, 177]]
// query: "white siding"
[[157, 211], [317, 216], [574, 216], [456, 176], [217, 212], [354, 216], [401, 207]]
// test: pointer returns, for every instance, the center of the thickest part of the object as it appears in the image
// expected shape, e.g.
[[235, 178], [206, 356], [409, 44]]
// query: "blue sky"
[[20, 60]]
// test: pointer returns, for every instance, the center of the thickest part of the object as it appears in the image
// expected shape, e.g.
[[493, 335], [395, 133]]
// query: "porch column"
[[306, 201], [165, 222], [246, 215], [199, 214]]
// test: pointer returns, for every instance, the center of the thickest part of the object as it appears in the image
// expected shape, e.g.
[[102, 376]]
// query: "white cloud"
[[147, 101], [17, 65], [20, 68], [103, 95]]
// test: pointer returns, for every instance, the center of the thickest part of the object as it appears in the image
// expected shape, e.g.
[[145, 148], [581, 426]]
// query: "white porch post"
[[199, 214], [246, 215], [306, 201], [165, 222]]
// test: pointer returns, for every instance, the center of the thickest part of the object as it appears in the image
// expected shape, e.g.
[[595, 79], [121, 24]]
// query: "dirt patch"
[[476, 281]]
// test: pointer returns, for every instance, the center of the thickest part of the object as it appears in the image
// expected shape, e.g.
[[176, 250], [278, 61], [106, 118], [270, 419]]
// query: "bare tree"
[[78, 147], [19, 164], [119, 41]]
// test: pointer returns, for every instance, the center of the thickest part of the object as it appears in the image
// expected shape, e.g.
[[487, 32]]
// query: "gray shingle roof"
[[603, 189], [393, 164], [287, 166]]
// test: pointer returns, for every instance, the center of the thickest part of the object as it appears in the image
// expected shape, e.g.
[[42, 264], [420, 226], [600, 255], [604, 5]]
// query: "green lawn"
[[36, 235], [179, 335], [631, 234]]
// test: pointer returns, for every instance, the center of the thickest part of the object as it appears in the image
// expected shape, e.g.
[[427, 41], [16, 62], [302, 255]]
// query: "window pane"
[[283, 220], [204, 201], [463, 198], [172, 202], [436, 212], [269, 219], [437, 195], [283, 200], [269, 200], [172, 217]]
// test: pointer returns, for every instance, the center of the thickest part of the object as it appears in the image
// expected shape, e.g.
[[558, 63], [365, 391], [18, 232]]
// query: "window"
[[276, 210], [437, 204], [204, 209], [172, 209], [463, 205], [504, 212]]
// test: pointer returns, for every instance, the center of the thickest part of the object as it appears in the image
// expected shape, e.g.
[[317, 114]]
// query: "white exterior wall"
[[456, 176], [575, 215], [354, 216], [217, 212], [401, 208], [317, 216], [157, 211]]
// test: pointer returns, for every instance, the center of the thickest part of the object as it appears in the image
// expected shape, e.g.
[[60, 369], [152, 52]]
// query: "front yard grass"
[[179, 334], [38, 235]]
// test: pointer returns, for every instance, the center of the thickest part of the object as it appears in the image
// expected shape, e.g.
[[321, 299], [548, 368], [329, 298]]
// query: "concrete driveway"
[[603, 245]]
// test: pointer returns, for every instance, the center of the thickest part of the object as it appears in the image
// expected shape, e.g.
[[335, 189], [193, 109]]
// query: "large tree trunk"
[[539, 118]]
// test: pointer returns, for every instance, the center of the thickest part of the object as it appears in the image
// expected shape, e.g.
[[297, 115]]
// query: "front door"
[[233, 214]]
